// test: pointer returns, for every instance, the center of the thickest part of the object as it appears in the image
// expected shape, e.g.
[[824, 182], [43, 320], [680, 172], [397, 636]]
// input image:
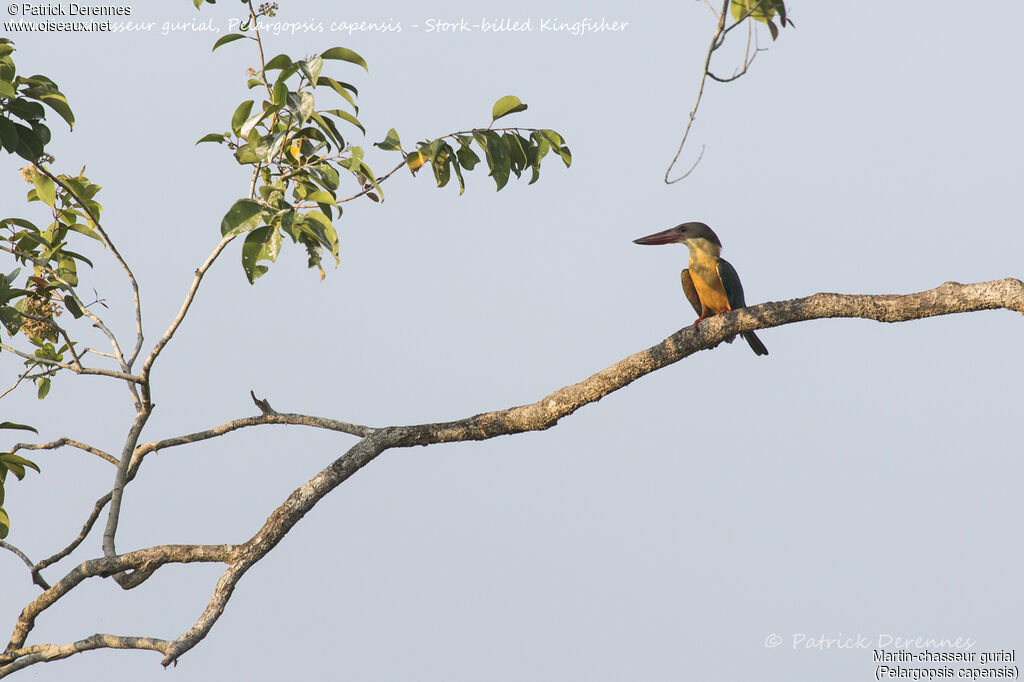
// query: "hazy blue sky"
[[864, 479]]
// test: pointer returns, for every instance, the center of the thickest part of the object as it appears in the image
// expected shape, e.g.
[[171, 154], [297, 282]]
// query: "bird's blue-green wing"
[[731, 284], [734, 292]]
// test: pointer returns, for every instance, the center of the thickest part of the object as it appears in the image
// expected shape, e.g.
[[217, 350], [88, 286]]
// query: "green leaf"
[[442, 168], [457, 168], [240, 116], [391, 142], [345, 116], [509, 104], [370, 178], [467, 157], [212, 137], [280, 93], [255, 120], [48, 94], [327, 125], [44, 389], [78, 256], [320, 197], [302, 104], [261, 244], [72, 305], [8, 459], [559, 145], [327, 175], [30, 144], [5, 521], [340, 88], [345, 55], [281, 61], [311, 69], [67, 270], [229, 38], [20, 427], [8, 135], [244, 216], [7, 89], [45, 189], [496, 154], [514, 144]]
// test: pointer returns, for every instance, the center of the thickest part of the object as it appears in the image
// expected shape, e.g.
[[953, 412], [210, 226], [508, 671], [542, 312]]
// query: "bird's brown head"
[[681, 234]]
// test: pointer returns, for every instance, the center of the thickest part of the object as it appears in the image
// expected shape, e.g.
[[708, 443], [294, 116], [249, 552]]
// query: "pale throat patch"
[[703, 247]]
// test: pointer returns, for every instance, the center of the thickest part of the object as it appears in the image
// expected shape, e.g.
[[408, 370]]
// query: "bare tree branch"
[[122, 477], [189, 297], [144, 562], [86, 528], [61, 442], [71, 368], [43, 653], [946, 299], [17, 552], [268, 418]]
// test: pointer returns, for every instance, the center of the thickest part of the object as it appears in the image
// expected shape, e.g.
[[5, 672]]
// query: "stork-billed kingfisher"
[[710, 283]]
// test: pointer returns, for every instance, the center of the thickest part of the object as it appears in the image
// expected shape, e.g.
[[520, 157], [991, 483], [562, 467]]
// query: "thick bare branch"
[[143, 561], [43, 653], [121, 478], [275, 528], [546, 412], [946, 299]]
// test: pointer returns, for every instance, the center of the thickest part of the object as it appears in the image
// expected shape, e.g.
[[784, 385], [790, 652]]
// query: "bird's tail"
[[755, 343]]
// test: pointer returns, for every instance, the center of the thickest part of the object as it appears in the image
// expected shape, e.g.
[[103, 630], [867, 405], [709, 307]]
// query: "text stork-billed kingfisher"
[[710, 283]]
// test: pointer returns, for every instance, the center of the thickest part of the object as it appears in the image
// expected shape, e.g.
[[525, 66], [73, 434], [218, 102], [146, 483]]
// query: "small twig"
[[189, 297], [71, 368], [62, 442], [117, 255], [17, 552], [700, 93], [717, 40], [86, 529], [97, 322], [272, 417], [17, 383], [263, 404], [36, 578], [60, 330]]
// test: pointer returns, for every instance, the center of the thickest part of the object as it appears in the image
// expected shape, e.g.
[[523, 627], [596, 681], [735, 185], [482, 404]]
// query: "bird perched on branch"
[[710, 283]]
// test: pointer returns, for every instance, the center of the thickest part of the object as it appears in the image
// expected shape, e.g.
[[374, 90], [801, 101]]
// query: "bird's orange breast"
[[704, 271]]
